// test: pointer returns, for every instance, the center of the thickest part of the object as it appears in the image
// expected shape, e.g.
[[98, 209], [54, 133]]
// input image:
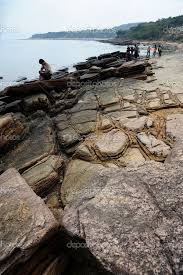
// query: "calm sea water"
[[19, 58]]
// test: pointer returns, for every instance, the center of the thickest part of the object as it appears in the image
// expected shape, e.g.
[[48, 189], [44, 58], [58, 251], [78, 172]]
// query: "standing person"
[[132, 50], [45, 73], [160, 50], [154, 51], [128, 54], [149, 52], [136, 52]]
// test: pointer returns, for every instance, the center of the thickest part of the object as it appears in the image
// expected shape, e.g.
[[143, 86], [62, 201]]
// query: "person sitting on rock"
[[45, 73]]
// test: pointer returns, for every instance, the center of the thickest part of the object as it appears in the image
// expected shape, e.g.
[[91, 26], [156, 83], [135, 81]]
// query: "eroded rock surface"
[[26, 222], [133, 223]]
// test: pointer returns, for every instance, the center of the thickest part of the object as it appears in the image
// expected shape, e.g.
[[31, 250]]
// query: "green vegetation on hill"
[[169, 29], [84, 34]]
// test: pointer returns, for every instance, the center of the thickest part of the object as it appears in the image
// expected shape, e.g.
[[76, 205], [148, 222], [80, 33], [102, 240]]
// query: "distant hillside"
[[168, 29], [85, 34]]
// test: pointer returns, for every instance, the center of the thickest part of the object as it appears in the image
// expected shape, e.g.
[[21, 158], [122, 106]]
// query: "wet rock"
[[20, 79], [12, 130], [36, 102], [26, 223], [15, 106], [39, 144], [82, 65], [133, 222], [155, 146], [111, 144], [44, 175]]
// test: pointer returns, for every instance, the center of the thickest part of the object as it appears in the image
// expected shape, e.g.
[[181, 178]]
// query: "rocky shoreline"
[[91, 170]]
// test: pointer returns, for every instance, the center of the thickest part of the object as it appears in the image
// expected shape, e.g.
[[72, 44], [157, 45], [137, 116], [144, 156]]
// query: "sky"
[[39, 16]]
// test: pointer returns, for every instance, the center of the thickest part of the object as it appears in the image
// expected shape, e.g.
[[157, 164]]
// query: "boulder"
[[89, 76], [78, 178], [132, 223], [36, 102], [68, 137], [44, 175], [12, 130], [132, 158], [14, 106], [84, 152], [136, 124], [107, 73], [39, 144], [111, 144], [84, 116], [174, 126], [131, 67], [153, 145], [26, 223]]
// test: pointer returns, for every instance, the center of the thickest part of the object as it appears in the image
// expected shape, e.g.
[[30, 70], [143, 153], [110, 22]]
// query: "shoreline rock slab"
[[26, 222], [44, 175], [133, 223], [111, 144]]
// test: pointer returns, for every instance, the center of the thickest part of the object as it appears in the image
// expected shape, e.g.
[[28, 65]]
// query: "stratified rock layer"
[[25, 221], [133, 223]]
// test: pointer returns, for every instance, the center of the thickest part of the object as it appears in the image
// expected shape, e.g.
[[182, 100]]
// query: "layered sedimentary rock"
[[82, 143], [130, 219], [26, 223]]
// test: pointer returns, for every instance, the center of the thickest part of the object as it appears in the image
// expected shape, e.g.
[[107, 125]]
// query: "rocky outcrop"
[[26, 223], [132, 222], [44, 175], [82, 143]]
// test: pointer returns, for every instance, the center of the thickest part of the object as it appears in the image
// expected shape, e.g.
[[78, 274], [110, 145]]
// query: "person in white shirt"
[[45, 73]]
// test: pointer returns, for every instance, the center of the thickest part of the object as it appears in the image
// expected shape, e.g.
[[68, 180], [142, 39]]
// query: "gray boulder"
[[132, 223]]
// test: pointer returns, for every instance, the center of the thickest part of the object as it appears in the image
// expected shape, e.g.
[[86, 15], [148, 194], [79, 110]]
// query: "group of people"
[[132, 52], [155, 50]]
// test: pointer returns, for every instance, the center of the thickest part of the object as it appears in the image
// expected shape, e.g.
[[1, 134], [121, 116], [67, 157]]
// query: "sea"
[[20, 58]]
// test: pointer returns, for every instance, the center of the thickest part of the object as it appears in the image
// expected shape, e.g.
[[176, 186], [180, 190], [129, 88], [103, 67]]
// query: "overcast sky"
[[35, 16]]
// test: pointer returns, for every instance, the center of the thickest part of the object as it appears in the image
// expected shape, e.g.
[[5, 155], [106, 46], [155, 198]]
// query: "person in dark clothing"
[[128, 54], [160, 50], [132, 50], [136, 52]]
